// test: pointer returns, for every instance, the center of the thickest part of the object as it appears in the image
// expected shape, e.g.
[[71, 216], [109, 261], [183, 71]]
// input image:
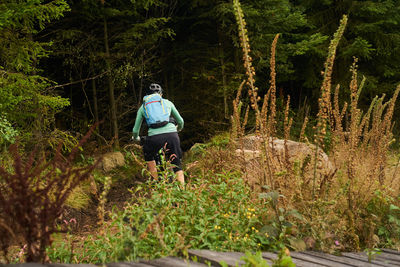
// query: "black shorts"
[[170, 141]]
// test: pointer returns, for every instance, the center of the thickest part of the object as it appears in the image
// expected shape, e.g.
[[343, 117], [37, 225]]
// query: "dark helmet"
[[155, 88]]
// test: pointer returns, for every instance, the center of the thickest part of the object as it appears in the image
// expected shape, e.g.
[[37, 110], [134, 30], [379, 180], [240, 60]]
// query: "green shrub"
[[7, 132], [217, 212]]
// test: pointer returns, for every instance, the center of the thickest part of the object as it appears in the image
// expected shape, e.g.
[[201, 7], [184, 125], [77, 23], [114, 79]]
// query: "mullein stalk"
[[247, 60], [325, 98]]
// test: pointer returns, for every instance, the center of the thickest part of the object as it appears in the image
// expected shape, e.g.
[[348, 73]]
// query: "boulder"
[[111, 160], [285, 156]]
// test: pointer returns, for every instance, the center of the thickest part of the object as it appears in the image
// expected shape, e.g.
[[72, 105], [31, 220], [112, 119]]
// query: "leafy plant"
[[284, 259], [32, 197], [7, 132], [215, 212], [281, 226], [254, 260]]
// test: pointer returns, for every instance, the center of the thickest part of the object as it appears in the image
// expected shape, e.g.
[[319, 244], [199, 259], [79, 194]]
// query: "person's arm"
[[177, 116], [138, 123]]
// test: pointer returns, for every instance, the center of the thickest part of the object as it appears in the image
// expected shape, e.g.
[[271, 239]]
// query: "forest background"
[[68, 64]]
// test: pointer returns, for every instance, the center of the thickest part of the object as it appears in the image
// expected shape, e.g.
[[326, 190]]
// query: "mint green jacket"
[[168, 128]]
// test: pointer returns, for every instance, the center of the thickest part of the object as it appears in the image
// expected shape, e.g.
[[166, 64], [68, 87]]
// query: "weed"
[[32, 197], [215, 212]]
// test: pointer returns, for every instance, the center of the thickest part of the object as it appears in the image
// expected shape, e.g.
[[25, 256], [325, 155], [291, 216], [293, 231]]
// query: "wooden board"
[[338, 259], [365, 259], [299, 262], [127, 264], [173, 262], [214, 258], [383, 256], [202, 258], [391, 251], [24, 265], [316, 260], [69, 265]]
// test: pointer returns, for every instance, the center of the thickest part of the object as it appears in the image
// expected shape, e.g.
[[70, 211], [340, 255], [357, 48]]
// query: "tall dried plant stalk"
[[271, 130], [325, 98], [287, 121], [338, 115], [238, 127], [287, 125], [247, 60], [101, 210], [261, 116], [264, 110], [302, 137]]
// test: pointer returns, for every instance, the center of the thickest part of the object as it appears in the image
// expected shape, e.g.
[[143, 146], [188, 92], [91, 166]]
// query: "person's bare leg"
[[180, 177], [152, 168]]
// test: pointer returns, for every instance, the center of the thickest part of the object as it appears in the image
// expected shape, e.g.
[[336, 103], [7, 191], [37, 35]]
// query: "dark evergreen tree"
[[372, 35], [110, 52], [25, 98]]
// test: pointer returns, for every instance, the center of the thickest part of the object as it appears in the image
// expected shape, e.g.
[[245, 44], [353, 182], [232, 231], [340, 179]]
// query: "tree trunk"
[[113, 109], [223, 73], [95, 105]]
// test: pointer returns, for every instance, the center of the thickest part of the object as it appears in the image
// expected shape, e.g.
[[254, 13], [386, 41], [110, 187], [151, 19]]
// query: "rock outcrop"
[[285, 156], [111, 160]]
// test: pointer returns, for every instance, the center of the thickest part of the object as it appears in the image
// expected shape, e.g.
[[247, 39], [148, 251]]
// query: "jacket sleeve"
[[138, 122], [177, 116]]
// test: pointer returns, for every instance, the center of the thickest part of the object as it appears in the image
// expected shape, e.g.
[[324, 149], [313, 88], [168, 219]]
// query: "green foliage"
[[385, 213], [284, 259], [66, 139], [214, 212], [32, 197], [254, 260], [7, 132], [371, 253], [281, 227], [372, 35], [19, 51], [24, 94]]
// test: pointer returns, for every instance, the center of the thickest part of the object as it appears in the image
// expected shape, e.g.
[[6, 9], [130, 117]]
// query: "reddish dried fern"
[[32, 197]]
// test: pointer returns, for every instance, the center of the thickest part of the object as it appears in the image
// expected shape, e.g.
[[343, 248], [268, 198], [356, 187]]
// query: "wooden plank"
[[316, 260], [24, 265], [298, 262], [128, 264], [173, 262], [238, 255], [214, 258], [391, 251], [269, 255], [69, 265], [344, 260], [388, 256], [365, 259]]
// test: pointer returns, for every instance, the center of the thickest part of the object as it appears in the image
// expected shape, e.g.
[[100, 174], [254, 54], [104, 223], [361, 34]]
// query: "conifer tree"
[[372, 35], [25, 100]]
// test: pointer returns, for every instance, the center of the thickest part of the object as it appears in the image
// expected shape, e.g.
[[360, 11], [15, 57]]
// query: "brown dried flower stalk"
[[247, 60], [272, 89], [325, 98]]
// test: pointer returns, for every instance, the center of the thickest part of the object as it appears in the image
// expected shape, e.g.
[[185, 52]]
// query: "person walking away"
[[157, 113]]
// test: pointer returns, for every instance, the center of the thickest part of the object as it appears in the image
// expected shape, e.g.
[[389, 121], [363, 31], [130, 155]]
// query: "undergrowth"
[[217, 212]]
